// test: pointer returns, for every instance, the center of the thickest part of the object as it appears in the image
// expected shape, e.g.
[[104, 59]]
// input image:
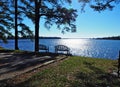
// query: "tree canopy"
[[7, 18], [100, 5], [52, 12], [6, 21]]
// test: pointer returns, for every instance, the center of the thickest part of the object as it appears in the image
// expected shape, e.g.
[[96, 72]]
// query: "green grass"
[[9, 50], [1, 48], [76, 72]]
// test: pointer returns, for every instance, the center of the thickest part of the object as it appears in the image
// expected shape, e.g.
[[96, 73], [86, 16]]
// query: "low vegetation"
[[14, 51], [1, 48], [76, 72]]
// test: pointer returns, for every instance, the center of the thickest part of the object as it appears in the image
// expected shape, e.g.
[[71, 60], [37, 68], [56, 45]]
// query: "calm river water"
[[80, 47]]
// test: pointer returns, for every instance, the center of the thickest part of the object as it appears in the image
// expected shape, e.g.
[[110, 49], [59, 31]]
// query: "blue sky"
[[90, 24]]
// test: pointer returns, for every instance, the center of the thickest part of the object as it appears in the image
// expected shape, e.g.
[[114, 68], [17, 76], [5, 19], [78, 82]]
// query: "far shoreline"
[[47, 37]]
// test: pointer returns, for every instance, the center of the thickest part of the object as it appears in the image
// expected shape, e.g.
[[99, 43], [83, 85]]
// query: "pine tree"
[[52, 12]]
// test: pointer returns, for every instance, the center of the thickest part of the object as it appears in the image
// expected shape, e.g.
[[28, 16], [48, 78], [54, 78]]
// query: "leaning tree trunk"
[[16, 28]]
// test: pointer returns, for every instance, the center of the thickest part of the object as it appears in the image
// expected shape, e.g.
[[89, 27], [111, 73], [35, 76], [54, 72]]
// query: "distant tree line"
[[28, 37], [110, 38], [49, 37]]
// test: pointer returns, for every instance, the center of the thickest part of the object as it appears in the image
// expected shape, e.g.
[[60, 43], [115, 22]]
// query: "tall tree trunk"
[[16, 28], [37, 20]]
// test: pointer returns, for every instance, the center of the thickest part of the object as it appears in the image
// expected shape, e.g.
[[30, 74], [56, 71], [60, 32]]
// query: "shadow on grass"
[[20, 61], [96, 78], [15, 62]]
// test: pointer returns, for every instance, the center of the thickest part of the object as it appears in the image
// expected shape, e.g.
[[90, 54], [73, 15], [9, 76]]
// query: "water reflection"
[[79, 47], [93, 48]]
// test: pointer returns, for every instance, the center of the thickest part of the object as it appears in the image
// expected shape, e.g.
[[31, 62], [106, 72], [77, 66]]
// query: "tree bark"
[[16, 28], [37, 20]]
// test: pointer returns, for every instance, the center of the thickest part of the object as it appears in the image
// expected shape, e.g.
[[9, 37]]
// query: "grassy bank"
[[76, 72]]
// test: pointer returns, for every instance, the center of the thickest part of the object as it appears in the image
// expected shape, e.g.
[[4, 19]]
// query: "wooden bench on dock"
[[62, 48], [43, 47]]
